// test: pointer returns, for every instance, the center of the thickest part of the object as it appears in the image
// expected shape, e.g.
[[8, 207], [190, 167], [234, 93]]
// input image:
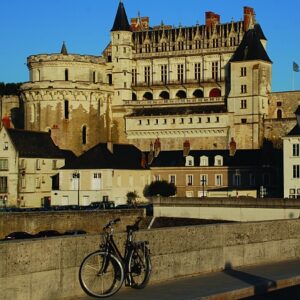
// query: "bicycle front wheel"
[[101, 274], [139, 266]]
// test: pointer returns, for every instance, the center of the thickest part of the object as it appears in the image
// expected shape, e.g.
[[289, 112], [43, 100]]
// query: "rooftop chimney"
[[249, 16], [211, 19], [186, 148], [157, 147], [232, 147]]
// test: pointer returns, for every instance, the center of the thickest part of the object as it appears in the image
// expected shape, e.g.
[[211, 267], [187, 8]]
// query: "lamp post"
[[203, 182], [76, 175]]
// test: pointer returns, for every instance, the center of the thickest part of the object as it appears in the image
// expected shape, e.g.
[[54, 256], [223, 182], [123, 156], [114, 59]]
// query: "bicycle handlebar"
[[109, 224]]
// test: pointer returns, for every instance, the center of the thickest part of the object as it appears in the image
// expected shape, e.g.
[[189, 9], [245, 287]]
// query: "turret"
[[121, 41]]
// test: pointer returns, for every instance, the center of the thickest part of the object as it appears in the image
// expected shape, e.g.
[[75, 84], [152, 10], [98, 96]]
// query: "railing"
[[206, 100], [175, 82]]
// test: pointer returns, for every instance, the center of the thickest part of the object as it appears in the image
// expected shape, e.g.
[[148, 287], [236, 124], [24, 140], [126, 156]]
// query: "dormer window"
[[189, 161], [218, 160], [203, 161]]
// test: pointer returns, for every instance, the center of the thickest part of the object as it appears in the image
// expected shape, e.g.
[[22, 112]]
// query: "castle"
[[206, 84]]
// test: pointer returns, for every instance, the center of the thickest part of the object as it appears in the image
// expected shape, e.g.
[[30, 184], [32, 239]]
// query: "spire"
[[64, 50], [121, 22]]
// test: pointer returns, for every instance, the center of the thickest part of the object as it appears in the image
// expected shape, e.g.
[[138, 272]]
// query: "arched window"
[[164, 95], [66, 109], [181, 94], [83, 134], [134, 97], [148, 96], [215, 93], [38, 75], [66, 74], [203, 161], [198, 94], [94, 77], [279, 114], [189, 161], [32, 113]]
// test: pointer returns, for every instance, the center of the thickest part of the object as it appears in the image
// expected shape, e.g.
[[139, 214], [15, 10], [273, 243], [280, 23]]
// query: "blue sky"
[[40, 26]]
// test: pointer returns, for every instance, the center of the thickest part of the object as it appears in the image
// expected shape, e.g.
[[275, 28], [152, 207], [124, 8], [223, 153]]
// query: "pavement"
[[233, 283]]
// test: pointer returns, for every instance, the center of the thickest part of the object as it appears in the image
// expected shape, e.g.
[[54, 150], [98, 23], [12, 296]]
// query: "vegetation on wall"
[[10, 88], [162, 188]]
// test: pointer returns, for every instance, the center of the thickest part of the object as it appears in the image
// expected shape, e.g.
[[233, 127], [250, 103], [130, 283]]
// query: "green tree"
[[162, 188], [131, 197]]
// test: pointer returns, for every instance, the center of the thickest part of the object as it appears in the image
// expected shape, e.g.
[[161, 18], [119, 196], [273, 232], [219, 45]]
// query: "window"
[[66, 74], [5, 146], [54, 164], [3, 164], [3, 184], [189, 180], [243, 71], [23, 163], [243, 89], [164, 47], [38, 164], [197, 71], [215, 43], [199, 120], [66, 112], [156, 177], [96, 181], [279, 104], [215, 70], [296, 171], [94, 77], [243, 121], [208, 119], [243, 104], [180, 45], [204, 161], [110, 81], [189, 194], [134, 77], [279, 114], [218, 160], [296, 149], [147, 74], [232, 41], [203, 180], [217, 119], [83, 135], [197, 44], [156, 121], [164, 73], [172, 179], [236, 179], [251, 179], [189, 161], [180, 72], [23, 182], [147, 48], [218, 180], [37, 183]]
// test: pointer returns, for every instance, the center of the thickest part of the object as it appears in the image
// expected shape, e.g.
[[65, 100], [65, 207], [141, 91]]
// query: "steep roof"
[[64, 50], [260, 32], [251, 47], [242, 158], [121, 21], [99, 157], [34, 144], [295, 131]]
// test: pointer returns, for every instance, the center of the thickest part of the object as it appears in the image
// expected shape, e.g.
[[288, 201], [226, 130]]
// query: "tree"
[[162, 188], [131, 197]]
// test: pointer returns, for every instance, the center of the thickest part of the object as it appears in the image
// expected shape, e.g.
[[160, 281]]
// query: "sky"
[[40, 26]]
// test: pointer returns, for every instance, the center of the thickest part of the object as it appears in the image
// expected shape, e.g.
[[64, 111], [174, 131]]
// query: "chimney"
[[139, 23], [151, 154], [6, 121], [157, 147], [186, 148], [232, 147], [211, 19], [248, 17]]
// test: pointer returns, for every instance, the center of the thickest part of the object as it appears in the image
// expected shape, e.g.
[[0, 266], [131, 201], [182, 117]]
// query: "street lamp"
[[76, 175], [203, 182]]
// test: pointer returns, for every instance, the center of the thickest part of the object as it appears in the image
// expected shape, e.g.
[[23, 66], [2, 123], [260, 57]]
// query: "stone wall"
[[48, 268], [90, 221]]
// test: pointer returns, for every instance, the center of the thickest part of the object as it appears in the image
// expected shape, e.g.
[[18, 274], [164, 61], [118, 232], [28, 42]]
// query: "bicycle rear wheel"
[[101, 275], [139, 266]]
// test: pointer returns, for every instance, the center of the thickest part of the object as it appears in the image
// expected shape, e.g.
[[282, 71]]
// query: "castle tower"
[[121, 42], [250, 85]]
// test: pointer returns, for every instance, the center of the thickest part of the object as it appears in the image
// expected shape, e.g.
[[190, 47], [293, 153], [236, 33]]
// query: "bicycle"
[[103, 272]]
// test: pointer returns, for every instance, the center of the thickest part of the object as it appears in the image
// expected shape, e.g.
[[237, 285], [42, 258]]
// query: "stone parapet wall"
[[90, 221], [48, 268]]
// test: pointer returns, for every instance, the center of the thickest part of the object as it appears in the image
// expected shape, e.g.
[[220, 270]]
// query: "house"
[[218, 173], [28, 159], [291, 160], [105, 172]]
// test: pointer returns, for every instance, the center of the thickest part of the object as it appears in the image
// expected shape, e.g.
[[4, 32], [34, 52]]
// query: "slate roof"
[[242, 158], [124, 156], [121, 21], [295, 131], [251, 47], [260, 32], [183, 110], [34, 144]]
